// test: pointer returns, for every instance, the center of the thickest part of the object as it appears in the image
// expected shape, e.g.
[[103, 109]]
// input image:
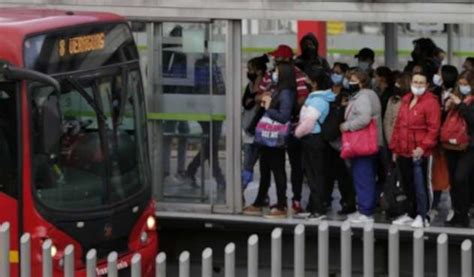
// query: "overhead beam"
[[268, 9]]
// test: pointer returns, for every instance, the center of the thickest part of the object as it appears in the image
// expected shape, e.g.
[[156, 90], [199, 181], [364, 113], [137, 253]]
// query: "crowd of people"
[[415, 131]]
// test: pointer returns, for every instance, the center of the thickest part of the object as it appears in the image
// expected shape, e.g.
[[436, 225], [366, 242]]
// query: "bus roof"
[[17, 23], [29, 21]]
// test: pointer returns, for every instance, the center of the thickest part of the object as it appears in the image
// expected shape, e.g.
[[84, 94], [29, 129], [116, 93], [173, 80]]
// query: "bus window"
[[8, 140], [91, 158]]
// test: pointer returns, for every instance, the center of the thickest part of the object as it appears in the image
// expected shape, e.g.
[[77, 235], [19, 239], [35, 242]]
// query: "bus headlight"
[[54, 251], [151, 222]]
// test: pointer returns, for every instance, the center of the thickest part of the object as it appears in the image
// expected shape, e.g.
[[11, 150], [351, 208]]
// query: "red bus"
[[74, 164]]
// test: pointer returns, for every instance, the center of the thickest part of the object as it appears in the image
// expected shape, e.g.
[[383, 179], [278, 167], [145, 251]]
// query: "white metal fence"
[[252, 255]]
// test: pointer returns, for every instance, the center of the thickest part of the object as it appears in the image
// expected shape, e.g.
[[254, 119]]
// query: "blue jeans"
[[413, 179], [363, 173], [251, 155]]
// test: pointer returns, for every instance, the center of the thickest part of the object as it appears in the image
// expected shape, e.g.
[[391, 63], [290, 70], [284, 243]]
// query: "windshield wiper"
[[86, 96]]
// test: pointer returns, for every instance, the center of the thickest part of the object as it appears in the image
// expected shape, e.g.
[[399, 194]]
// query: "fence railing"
[[252, 255]]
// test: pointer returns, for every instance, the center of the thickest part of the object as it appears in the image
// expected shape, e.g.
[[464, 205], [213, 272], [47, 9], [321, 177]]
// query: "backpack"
[[395, 199], [330, 127]]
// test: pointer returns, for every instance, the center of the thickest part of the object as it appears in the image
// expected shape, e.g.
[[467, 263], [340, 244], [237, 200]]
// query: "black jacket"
[[310, 57]]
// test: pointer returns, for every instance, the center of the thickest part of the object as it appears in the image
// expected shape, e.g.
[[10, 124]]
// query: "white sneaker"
[[361, 218], [353, 215], [403, 220], [450, 215], [418, 222]]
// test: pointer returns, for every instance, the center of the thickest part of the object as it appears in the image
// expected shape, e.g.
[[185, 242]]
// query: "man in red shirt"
[[284, 53]]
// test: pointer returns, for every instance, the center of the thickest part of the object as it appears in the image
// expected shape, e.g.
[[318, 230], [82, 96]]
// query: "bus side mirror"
[[12, 73]]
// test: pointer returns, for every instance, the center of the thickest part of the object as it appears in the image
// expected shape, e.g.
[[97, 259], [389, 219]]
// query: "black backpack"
[[330, 127]]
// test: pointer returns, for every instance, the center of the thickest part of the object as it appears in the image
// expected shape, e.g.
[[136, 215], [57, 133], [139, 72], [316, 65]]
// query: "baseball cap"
[[282, 51], [365, 53]]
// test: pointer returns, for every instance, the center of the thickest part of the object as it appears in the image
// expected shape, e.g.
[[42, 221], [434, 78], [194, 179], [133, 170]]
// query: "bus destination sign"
[[81, 44]]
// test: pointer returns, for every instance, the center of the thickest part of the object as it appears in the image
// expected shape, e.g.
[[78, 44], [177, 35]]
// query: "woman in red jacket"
[[414, 137]]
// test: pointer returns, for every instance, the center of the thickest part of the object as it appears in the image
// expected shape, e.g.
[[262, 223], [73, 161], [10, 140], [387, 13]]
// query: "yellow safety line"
[[14, 257]]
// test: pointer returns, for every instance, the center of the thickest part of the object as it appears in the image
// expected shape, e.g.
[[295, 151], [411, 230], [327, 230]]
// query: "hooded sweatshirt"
[[309, 56], [314, 112]]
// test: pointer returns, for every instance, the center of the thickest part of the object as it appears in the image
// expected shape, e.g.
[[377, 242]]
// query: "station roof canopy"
[[446, 11]]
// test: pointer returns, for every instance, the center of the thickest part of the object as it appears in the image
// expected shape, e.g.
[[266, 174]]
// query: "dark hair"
[[259, 63], [404, 80], [386, 73], [427, 70], [343, 66], [470, 60], [469, 76], [286, 77], [363, 77], [320, 77], [423, 48], [450, 75], [422, 73]]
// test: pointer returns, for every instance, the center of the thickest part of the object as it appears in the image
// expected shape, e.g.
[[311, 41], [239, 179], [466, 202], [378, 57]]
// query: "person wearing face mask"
[[461, 163], [364, 106], [313, 115], [401, 87], [284, 54], [278, 107], [414, 137], [252, 112], [365, 60], [444, 81], [309, 57], [338, 75], [383, 85], [336, 168]]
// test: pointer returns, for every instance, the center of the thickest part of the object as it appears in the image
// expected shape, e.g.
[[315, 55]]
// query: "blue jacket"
[[281, 107], [320, 101]]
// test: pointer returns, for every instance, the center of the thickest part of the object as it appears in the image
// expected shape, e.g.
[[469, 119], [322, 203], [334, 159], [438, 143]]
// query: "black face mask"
[[353, 88], [252, 76]]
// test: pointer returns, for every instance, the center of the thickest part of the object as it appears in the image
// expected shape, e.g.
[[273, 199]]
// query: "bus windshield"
[[89, 140]]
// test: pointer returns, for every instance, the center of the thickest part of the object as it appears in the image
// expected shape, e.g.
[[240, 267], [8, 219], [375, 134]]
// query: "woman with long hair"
[[278, 107]]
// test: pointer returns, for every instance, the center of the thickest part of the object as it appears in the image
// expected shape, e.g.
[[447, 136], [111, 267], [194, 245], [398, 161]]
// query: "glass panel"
[[191, 112]]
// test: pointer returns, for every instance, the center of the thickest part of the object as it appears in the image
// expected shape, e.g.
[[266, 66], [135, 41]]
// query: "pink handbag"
[[360, 143]]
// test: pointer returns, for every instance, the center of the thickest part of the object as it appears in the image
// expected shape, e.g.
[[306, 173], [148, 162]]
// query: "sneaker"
[[361, 219], [276, 213], [252, 210], [403, 220], [418, 222], [296, 207], [450, 215], [459, 220], [353, 215], [316, 216]]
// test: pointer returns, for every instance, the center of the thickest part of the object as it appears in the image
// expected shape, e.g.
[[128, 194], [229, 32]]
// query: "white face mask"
[[418, 91], [275, 77], [465, 90], [345, 83], [437, 80]]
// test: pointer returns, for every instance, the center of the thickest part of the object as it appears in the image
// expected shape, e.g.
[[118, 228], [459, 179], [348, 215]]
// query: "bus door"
[[9, 207]]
